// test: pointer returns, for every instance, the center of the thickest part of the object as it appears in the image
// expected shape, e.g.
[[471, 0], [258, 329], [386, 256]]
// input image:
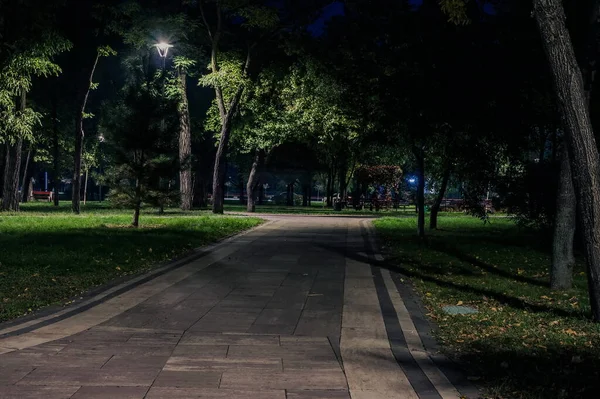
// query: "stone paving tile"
[[138, 330], [268, 352], [82, 349], [16, 359], [297, 379], [91, 377], [225, 322], [135, 362], [319, 323], [314, 365], [10, 375], [89, 336], [300, 340], [279, 317], [279, 329], [152, 339], [242, 301], [192, 363], [312, 394], [208, 393], [110, 393], [177, 318], [192, 338], [188, 379], [206, 351], [30, 392]]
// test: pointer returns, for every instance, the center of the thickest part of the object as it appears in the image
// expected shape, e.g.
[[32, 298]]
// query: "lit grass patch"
[[51, 257], [526, 341]]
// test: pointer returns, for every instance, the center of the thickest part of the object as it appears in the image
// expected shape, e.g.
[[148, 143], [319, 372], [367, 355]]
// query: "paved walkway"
[[292, 309]]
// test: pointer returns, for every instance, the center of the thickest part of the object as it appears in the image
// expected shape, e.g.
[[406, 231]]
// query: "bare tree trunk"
[[138, 204], [304, 195], [55, 152], [580, 140], [3, 149], [261, 194], [435, 208], [85, 186], [330, 186], [254, 180], [26, 178], [12, 169], [185, 147], [79, 135], [420, 158], [563, 259]]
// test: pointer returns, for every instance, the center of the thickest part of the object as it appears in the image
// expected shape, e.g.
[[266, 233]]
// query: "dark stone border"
[[424, 326], [160, 270]]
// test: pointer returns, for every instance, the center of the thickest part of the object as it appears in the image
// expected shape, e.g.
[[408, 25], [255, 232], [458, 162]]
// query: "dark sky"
[[317, 28]]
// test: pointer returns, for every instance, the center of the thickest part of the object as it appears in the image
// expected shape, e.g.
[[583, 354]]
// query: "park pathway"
[[292, 309]]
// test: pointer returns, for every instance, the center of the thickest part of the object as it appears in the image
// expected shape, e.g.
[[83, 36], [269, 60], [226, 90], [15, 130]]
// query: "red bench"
[[43, 195]]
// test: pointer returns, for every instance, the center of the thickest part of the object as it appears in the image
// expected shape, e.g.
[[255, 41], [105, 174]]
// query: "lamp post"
[[163, 51]]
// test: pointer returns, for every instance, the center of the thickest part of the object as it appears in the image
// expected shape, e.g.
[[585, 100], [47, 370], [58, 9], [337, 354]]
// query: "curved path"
[[292, 309]]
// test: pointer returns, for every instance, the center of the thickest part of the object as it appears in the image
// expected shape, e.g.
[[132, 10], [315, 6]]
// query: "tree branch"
[[214, 63], [206, 25]]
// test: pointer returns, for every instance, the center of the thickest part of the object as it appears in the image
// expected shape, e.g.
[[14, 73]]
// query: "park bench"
[[42, 195]]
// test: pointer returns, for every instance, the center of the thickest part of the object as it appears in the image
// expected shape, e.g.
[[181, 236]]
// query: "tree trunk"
[[420, 158], [27, 176], [580, 140], [12, 169], [138, 204], [305, 195], [330, 186], [185, 147], [85, 186], [241, 185], [79, 134], [254, 180], [227, 116], [261, 194], [10, 200], [563, 259], [342, 178], [290, 195], [435, 208], [3, 149], [55, 152], [199, 198]]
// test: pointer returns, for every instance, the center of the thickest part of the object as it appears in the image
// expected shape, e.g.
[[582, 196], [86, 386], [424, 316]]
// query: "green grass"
[[318, 209], [526, 341], [50, 256]]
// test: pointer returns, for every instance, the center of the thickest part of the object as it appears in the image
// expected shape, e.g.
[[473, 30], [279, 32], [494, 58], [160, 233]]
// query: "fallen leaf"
[[555, 322], [459, 303]]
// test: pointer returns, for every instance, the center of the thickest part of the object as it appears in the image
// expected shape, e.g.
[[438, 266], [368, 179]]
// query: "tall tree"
[[239, 30], [91, 24], [580, 140], [28, 45]]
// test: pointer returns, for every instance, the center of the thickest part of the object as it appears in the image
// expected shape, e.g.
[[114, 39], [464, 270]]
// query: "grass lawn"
[[50, 256], [318, 209], [526, 341]]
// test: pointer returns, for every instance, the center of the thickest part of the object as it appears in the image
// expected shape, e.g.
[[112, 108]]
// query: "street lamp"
[[163, 50]]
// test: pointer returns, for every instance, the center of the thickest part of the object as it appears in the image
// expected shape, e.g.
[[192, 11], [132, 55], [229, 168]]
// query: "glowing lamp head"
[[163, 48]]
